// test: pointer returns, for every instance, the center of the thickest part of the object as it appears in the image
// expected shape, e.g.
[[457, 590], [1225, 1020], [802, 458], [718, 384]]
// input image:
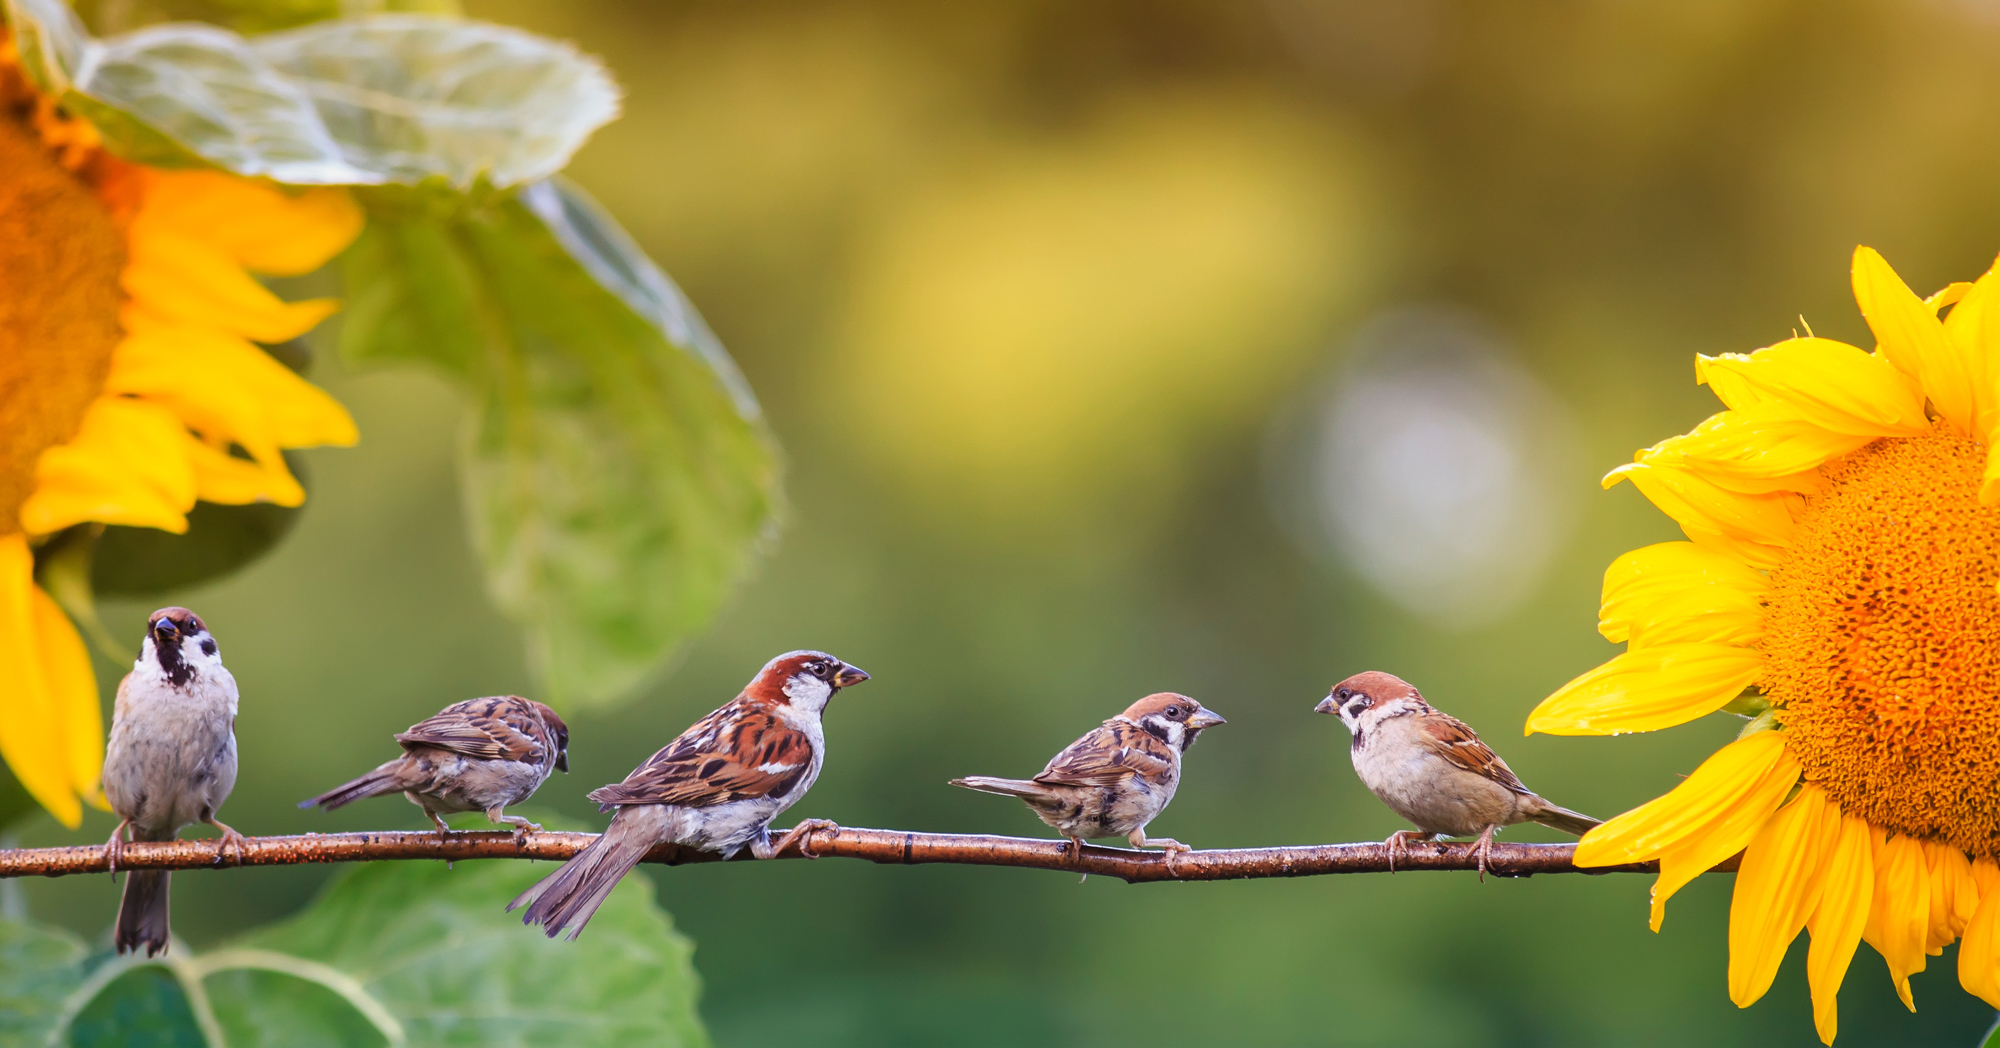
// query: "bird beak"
[[1327, 705], [1205, 718], [849, 676], [562, 762], [165, 630]]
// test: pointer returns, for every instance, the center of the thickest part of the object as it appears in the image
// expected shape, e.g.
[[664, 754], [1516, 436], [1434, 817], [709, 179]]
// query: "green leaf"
[[618, 475], [356, 101], [391, 953], [433, 945], [39, 969], [144, 1008], [1992, 1038], [258, 1008]]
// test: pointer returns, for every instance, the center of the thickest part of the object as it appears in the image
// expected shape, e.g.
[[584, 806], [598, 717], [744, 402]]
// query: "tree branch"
[[891, 847]]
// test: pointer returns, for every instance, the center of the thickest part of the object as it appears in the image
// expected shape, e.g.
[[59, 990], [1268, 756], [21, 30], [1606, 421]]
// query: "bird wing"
[[1108, 755], [742, 750], [500, 728], [1450, 738]]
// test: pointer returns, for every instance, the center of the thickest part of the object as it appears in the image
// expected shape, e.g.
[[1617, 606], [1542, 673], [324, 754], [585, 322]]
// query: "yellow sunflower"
[[131, 383], [1839, 589]]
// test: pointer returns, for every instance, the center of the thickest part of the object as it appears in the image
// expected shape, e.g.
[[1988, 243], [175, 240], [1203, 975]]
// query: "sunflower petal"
[[33, 735], [1979, 954], [1974, 330], [1648, 689], [1836, 923], [260, 226], [1701, 507], [1706, 819], [1954, 895], [185, 278], [224, 479], [1830, 384], [1777, 887], [1676, 592], [1911, 336], [121, 468], [1758, 450], [1725, 782], [1899, 922]]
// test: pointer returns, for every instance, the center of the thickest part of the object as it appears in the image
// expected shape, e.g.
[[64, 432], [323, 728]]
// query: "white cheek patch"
[[808, 693]]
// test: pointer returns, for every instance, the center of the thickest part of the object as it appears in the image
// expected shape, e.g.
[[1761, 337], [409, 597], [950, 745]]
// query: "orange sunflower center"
[[60, 258], [1882, 640]]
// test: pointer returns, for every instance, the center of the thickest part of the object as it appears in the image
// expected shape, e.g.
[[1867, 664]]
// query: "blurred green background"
[[1228, 348]]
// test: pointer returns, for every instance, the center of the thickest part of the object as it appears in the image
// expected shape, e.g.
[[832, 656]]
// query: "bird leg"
[[229, 839], [114, 849], [1173, 847], [498, 816], [802, 834], [1485, 849], [1400, 839], [444, 832]]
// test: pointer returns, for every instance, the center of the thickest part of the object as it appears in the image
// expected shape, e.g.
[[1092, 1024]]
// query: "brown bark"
[[882, 846]]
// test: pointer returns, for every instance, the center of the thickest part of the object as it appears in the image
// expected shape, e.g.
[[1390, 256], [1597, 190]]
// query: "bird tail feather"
[[374, 784], [142, 912], [1563, 819], [1026, 789], [567, 898]]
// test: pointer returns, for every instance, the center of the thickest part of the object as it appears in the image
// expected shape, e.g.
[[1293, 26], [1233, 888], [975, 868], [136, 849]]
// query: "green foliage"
[[368, 101], [617, 473], [392, 953]]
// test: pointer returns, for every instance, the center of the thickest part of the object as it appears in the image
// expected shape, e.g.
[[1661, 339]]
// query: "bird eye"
[[1173, 711]]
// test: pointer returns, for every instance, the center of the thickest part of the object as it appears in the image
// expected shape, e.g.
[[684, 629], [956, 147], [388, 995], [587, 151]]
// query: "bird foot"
[[1173, 848], [1398, 844], [802, 834], [521, 826], [114, 849], [229, 839], [1484, 848]]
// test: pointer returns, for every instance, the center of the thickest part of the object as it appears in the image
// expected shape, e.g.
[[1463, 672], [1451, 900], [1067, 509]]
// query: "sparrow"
[[1116, 778], [1431, 769], [170, 762], [715, 788], [478, 755]]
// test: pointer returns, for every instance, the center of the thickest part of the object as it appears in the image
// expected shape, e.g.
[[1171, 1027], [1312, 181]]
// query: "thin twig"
[[893, 847]]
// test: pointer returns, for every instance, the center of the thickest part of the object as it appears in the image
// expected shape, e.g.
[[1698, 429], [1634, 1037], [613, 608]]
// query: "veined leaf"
[[618, 476], [356, 101], [391, 953]]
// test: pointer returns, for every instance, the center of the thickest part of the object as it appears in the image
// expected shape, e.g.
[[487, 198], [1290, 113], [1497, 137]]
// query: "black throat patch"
[[171, 663]]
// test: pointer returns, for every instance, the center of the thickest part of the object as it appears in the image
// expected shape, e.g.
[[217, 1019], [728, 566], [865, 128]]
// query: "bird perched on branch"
[[478, 755], [170, 762], [1115, 779], [1432, 769], [715, 788]]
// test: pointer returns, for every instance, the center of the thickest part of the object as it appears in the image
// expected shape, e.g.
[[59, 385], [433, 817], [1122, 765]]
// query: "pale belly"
[[1448, 801]]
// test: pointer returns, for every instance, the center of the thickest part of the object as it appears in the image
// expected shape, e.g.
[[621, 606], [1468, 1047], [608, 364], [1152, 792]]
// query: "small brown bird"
[[478, 755], [715, 788], [1115, 779], [1432, 769], [170, 761]]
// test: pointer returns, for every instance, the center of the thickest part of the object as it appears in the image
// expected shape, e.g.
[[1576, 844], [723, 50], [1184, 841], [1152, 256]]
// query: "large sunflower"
[[131, 383], [1839, 589]]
